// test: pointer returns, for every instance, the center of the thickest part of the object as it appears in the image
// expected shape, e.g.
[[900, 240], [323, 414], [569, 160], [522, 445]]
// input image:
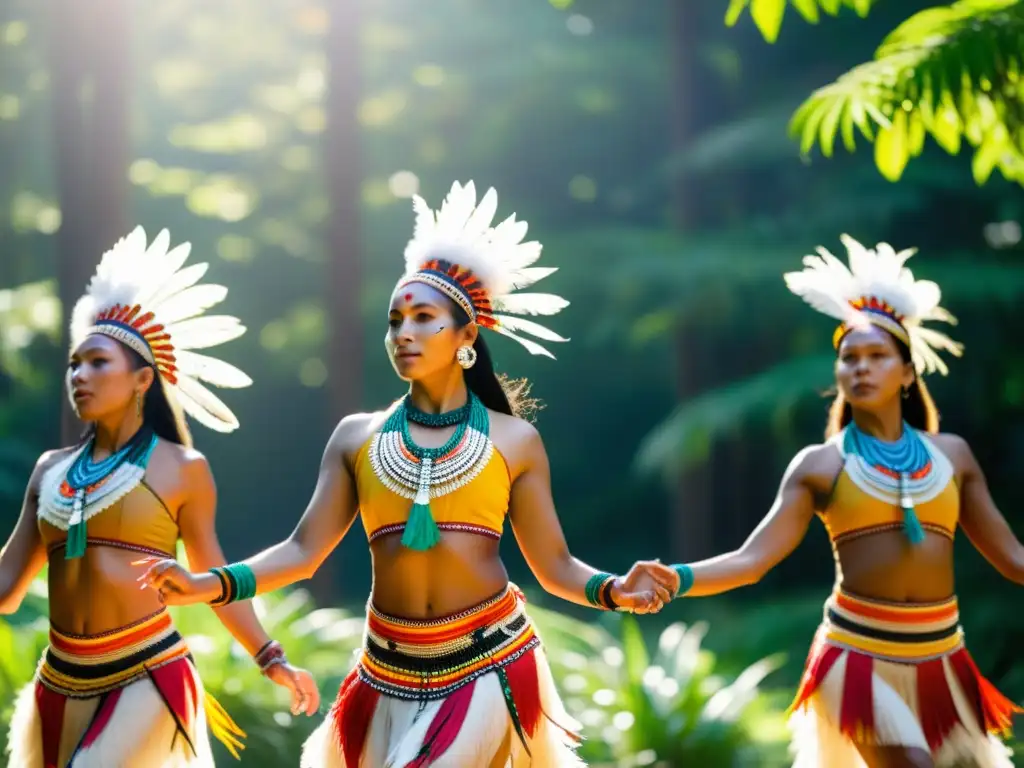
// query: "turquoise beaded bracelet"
[[595, 588], [685, 578]]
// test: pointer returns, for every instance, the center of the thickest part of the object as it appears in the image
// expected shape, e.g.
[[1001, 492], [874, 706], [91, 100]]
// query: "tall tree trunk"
[[110, 122], [89, 61], [344, 244], [691, 528]]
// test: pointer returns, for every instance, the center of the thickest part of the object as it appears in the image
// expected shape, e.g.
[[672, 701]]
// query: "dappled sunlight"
[[662, 157]]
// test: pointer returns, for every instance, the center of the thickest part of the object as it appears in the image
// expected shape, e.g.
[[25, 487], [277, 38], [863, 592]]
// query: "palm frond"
[[685, 436], [768, 14], [952, 73]]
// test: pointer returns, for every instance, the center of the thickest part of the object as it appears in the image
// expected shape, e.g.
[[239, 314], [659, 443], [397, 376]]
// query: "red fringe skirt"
[[473, 689], [896, 675], [126, 697]]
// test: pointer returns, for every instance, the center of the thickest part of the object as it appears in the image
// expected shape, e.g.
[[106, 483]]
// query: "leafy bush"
[[669, 708]]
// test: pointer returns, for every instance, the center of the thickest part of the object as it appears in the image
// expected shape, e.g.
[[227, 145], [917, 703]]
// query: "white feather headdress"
[[480, 267], [145, 298], [877, 288]]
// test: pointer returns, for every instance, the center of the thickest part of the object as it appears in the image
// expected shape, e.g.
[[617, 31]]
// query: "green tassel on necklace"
[[421, 531]]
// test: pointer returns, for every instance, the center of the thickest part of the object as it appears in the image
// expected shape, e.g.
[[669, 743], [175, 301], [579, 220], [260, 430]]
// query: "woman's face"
[[102, 380], [870, 371], [423, 338]]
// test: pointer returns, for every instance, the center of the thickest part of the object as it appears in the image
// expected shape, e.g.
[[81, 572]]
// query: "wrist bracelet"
[[238, 582], [685, 578], [595, 587], [606, 594], [225, 588], [272, 653]]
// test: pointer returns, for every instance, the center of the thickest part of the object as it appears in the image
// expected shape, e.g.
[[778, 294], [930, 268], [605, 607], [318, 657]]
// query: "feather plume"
[[878, 274], [154, 279], [461, 232]]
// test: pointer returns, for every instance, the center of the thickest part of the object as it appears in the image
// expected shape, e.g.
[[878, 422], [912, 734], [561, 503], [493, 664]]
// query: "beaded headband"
[[876, 312], [139, 333], [877, 288], [480, 267], [146, 299]]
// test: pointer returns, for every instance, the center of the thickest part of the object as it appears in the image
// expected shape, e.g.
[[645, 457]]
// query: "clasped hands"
[[647, 588]]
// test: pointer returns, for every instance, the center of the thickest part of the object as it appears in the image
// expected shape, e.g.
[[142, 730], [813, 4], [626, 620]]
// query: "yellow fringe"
[[223, 728]]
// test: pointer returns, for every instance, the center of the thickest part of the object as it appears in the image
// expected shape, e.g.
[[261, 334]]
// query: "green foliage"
[[670, 707], [768, 14], [952, 73], [683, 438]]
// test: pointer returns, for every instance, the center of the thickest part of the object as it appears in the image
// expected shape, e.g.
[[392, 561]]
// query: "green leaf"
[[827, 131], [735, 10], [892, 147], [985, 161], [951, 72], [862, 7], [808, 9], [768, 15], [915, 134], [947, 130]]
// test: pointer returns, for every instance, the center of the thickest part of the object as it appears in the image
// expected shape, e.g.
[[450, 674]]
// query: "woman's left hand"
[[305, 694]]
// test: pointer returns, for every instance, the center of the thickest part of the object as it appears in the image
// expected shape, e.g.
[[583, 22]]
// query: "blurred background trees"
[[673, 163]]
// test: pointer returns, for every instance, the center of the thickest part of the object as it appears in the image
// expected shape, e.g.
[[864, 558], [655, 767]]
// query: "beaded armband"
[[685, 578], [237, 582]]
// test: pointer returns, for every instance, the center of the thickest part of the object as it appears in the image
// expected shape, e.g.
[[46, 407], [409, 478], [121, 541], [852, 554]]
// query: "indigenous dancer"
[[452, 673], [888, 681], [117, 685]]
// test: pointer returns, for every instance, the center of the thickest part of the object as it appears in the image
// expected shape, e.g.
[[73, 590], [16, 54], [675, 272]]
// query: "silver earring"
[[466, 357]]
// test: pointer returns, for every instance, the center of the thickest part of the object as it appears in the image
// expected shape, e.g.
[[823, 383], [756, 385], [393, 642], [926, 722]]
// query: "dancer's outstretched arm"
[[980, 518], [777, 535], [328, 516], [645, 589]]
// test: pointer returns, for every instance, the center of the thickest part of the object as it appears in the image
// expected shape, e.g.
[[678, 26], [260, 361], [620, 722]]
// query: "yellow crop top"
[[864, 500], [140, 522], [478, 506]]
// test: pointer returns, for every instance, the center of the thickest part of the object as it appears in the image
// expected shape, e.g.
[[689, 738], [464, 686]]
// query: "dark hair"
[[917, 407], [159, 412], [496, 391]]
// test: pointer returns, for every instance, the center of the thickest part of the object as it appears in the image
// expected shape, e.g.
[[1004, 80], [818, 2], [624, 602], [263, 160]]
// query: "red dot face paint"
[[408, 297]]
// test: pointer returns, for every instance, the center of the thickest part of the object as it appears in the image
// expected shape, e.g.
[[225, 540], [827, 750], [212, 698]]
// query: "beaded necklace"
[[78, 488], [898, 472], [419, 473]]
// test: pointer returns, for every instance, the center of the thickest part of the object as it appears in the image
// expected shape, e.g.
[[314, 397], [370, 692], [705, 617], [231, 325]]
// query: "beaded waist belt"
[[427, 660], [895, 631], [85, 666]]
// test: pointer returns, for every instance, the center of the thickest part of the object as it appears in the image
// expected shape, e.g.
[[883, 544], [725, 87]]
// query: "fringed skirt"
[[472, 690], [130, 697], [896, 675]]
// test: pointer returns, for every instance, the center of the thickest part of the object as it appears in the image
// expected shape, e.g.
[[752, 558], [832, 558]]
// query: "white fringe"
[[25, 738], [818, 742], [141, 732], [487, 738]]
